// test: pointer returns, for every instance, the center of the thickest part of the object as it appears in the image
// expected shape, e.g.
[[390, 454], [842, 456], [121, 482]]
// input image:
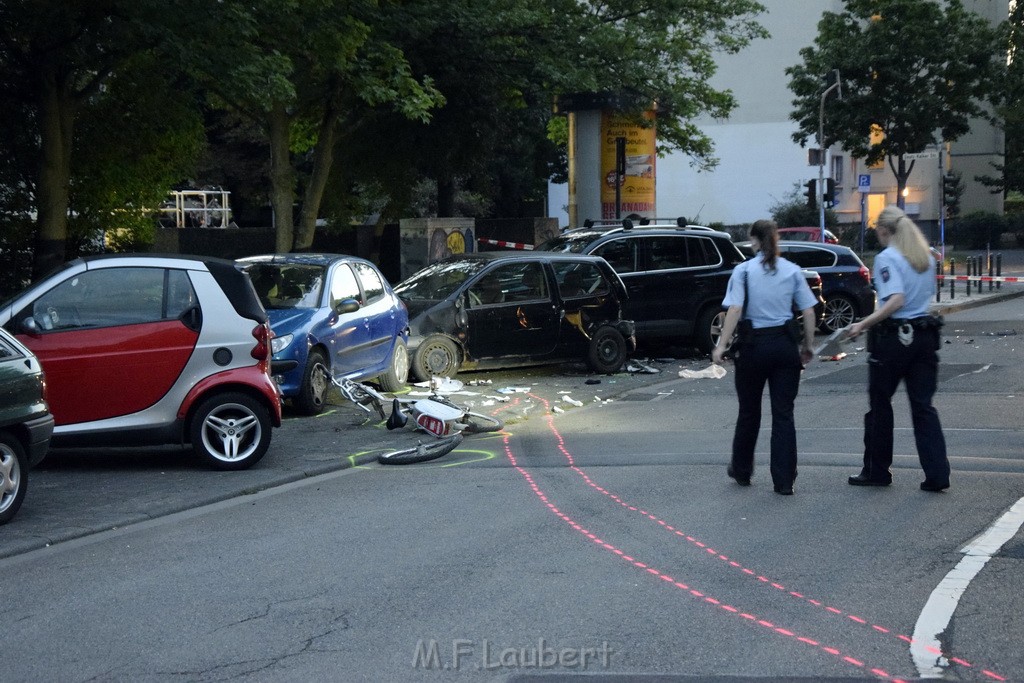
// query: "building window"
[[837, 168]]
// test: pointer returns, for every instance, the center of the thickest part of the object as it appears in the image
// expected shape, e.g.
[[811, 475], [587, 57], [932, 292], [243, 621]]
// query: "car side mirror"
[[30, 326], [346, 306]]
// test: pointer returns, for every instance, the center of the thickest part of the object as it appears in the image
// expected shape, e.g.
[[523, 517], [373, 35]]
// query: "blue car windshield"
[[437, 281], [287, 285]]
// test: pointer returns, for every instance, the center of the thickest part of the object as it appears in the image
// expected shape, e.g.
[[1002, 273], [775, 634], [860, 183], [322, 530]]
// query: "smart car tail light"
[[261, 352]]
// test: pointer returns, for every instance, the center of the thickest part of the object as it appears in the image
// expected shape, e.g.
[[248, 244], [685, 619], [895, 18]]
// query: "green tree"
[[310, 64], [1010, 178], [917, 71], [500, 65]]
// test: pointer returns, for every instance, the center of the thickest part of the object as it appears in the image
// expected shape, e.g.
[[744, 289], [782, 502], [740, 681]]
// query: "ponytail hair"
[[907, 238], [767, 233]]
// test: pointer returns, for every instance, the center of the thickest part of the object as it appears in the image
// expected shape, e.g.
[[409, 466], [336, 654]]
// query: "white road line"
[[934, 618]]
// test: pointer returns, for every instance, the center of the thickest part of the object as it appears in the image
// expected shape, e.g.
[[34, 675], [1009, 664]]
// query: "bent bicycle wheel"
[[478, 424], [421, 452]]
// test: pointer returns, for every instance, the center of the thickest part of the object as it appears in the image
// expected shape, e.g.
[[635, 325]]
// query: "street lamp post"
[[821, 146]]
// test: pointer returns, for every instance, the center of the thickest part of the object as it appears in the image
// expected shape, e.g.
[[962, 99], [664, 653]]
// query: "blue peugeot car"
[[331, 315]]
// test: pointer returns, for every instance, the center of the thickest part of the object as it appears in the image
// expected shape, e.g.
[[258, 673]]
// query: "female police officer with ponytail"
[[903, 341], [764, 291]]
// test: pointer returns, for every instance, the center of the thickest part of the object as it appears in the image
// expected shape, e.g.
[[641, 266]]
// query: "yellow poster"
[[636, 195]]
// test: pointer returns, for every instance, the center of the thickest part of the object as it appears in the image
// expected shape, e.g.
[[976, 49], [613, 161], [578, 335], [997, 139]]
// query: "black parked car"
[[25, 422], [845, 280], [507, 309], [676, 276]]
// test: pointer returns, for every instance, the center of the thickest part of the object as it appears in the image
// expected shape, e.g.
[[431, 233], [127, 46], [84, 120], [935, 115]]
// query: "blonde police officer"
[[903, 342]]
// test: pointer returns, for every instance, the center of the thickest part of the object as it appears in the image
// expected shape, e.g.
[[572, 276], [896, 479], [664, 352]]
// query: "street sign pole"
[[864, 187]]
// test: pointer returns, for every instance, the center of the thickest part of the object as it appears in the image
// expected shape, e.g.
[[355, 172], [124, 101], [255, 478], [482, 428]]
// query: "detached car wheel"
[[398, 369], [608, 350], [230, 431], [436, 357], [316, 381], [13, 476]]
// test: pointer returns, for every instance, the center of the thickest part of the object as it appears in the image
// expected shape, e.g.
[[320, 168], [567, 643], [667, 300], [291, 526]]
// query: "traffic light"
[[830, 192], [811, 193], [951, 191]]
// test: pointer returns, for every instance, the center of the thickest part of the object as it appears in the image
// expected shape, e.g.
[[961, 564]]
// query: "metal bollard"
[[990, 264], [999, 268], [938, 286], [969, 265], [952, 278]]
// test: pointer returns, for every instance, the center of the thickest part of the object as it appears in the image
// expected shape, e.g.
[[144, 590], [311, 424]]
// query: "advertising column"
[[636, 194]]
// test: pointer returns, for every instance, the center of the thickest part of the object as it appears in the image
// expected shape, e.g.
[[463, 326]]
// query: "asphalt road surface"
[[601, 540]]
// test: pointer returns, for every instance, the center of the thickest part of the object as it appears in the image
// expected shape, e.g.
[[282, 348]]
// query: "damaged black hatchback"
[[503, 309]]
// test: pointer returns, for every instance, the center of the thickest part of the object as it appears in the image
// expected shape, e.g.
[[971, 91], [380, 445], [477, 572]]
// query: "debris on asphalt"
[[638, 366], [556, 409], [592, 381], [571, 401], [1004, 333], [476, 382], [838, 356], [513, 390], [711, 372]]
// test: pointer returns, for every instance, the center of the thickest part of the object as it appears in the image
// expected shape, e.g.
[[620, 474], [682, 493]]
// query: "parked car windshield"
[[569, 244], [437, 281], [287, 285]]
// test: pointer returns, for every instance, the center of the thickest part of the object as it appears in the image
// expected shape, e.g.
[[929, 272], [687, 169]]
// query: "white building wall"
[[760, 165]]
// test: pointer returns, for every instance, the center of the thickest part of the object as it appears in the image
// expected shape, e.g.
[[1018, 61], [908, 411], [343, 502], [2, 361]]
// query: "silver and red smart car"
[[142, 349]]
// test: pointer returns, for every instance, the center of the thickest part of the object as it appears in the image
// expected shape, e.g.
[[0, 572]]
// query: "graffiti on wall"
[[445, 242]]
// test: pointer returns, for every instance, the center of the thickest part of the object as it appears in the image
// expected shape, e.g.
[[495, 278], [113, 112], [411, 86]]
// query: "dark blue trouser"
[[776, 360], [917, 365]]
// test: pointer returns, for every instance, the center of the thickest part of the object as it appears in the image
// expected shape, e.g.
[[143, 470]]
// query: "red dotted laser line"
[[679, 584], [714, 553]]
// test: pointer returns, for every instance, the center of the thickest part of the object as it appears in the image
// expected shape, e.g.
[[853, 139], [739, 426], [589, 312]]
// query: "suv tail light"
[[261, 351], [865, 273]]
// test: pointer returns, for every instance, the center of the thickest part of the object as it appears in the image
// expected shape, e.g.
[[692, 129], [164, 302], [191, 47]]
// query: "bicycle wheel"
[[421, 452], [478, 424]]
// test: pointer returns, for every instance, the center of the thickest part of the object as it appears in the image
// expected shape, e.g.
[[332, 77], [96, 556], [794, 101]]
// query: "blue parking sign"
[[864, 182]]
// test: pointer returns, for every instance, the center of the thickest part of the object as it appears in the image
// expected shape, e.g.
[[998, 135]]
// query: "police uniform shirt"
[[772, 293], [894, 275]]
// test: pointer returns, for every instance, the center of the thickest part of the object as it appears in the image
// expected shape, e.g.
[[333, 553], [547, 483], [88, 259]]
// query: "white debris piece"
[[711, 372], [571, 401]]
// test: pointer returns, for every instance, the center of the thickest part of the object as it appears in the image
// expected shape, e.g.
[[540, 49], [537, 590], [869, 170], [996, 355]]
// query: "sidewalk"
[[962, 301]]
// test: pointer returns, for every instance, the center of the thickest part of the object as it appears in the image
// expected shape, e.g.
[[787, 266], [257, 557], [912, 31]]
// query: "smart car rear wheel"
[[436, 357], [316, 380], [230, 431], [608, 350], [398, 370], [13, 476], [839, 312]]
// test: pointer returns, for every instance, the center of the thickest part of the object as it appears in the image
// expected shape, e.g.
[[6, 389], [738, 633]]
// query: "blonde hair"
[[907, 238]]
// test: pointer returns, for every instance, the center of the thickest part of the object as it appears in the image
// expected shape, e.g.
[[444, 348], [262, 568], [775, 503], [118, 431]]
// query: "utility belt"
[[924, 322], [905, 329]]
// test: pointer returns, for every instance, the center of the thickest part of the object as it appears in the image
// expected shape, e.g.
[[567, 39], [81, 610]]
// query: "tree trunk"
[[902, 173], [56, 130], [445, 197], [323, 158], [282, 178]]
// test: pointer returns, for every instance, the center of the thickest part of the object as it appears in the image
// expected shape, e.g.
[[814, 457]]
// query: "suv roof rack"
[[629, 223]]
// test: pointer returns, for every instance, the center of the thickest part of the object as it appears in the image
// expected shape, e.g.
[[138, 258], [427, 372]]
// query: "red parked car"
[[807, 234]]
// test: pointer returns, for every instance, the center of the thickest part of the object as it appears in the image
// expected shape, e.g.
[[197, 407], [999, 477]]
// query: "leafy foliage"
[[909, 68]]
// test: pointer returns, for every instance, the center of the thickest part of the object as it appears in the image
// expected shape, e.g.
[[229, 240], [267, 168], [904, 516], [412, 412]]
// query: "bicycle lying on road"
[[435, 415]]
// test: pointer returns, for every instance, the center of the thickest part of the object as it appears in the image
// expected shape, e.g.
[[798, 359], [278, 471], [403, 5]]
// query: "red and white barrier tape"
[[979, 278], [502, 243]]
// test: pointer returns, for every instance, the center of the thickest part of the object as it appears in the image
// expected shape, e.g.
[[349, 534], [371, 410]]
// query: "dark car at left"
[[25, 421], [515, 308]]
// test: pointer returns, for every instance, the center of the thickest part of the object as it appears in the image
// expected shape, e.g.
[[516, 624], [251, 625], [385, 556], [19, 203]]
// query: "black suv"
[[845, 280], [676, 276]]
